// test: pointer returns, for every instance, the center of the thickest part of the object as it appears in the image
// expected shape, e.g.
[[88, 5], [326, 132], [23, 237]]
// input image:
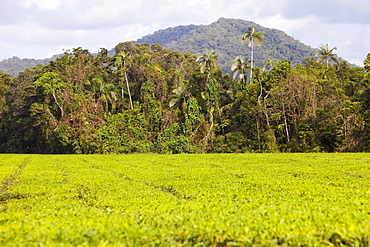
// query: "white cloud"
[[41, 4], [288, 25]]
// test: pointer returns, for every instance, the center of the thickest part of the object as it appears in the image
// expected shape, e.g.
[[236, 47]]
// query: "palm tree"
[[240, 67], [179, 95], [325, 54], [103, 92], [268, 63], [121, 60], [207, 62], [251, 35]]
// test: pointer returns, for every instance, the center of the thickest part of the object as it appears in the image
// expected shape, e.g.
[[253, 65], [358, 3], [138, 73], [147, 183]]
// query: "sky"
[[42, 28]]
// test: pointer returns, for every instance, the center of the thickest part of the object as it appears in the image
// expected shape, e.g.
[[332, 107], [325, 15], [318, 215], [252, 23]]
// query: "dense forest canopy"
[[150, 99]]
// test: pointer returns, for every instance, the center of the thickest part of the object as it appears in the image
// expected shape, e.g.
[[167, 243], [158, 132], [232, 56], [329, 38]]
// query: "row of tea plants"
[[185, 200]]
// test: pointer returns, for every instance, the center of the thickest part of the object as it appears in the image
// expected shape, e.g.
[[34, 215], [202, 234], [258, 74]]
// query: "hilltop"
[[224, 36]]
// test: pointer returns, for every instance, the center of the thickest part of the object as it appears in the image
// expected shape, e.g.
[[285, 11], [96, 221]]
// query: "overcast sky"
[[42, 28]]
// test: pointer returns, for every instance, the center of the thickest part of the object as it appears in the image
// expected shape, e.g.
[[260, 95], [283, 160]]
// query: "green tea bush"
[[185, 200]]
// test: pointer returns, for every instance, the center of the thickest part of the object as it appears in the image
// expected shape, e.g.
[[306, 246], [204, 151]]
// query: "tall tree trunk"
[[258, 134], [60, 107], [251, 74], [286, 125], [210, 128], [128, 90]]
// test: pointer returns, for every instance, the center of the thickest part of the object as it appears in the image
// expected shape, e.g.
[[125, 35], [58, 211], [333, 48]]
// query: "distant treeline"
[[150, 99]]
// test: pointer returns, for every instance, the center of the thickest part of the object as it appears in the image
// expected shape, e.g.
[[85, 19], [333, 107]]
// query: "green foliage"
[[233, 142], [166, 36], [270, 141], [5, 81], [367, 63], [84, 103], [51, 84], [124, 133], [193, 111], [252, 36], [185, 200], [151, 107], [172, 141], [240, 67], [104, 93], [207, 61], [325, 55]]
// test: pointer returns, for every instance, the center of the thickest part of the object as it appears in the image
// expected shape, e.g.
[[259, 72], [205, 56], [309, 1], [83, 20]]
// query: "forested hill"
[[168, 35], [224, 36], [15, 64]]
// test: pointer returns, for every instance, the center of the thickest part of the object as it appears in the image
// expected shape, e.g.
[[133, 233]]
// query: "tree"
[[268, 63], [251, 35], [5, 81], [103, 92], [207, 62], [121, 60], [325, 54], [124, 133], [240, 67], [367, 63], [178, 96], [50, 83]]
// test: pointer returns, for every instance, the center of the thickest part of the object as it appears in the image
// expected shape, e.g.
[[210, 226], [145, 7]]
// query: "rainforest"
[[149, 99]]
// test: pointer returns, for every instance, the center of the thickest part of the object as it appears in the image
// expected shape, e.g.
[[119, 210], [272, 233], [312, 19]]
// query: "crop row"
[[185, 200]]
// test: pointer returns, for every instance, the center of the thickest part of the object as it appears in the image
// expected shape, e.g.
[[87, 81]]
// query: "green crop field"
[[185, 200]]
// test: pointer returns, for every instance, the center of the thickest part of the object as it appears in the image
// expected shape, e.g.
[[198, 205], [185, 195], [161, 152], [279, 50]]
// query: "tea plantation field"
[[185, 200]]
